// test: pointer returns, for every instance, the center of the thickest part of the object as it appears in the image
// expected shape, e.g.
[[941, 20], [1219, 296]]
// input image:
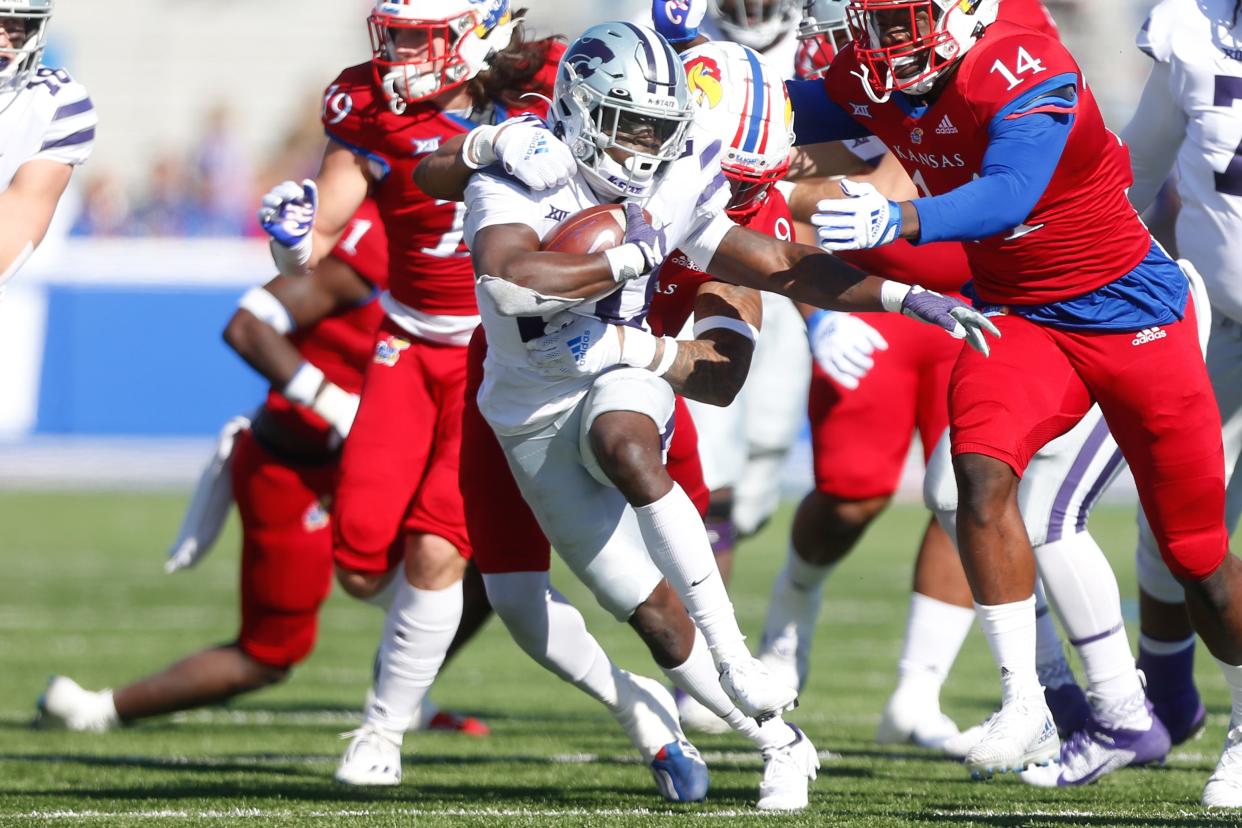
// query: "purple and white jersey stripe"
[[687, 207], [52, 119]]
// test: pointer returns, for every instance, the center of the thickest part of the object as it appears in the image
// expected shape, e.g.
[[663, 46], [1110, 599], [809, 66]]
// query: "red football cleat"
[[469, 725]]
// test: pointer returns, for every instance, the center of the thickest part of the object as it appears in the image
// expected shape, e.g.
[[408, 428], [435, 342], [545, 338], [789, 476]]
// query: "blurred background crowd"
[[184, 152]]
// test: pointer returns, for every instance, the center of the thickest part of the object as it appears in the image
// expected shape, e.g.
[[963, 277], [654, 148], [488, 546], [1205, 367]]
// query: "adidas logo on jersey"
[[946, 127], [1149, 335]]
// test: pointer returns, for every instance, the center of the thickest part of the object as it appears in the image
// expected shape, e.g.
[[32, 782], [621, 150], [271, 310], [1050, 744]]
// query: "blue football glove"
[[288, 211], [864, 218], [960, 321], [678, 20]]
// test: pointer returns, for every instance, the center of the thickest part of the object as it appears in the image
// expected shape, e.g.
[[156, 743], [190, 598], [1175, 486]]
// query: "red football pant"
[[1153, 389], [860, 438], [286, 566], [504, 535], [399, 469]]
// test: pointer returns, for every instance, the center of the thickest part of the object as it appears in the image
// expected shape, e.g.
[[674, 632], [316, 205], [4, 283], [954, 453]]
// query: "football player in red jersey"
[[439, 68], [996, 127], [279, 466]]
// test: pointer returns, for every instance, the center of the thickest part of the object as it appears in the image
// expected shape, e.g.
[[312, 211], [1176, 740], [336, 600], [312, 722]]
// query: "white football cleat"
[[64, 704], [1020, 734], [372, 759], [913, 715], [650, 720], [696, 717], [1224, 788], [787, 774], [958, 746], [754, 690]]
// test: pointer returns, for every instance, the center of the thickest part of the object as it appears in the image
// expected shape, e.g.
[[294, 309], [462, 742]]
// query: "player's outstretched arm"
[[26, 208], [523, 146], [808, 275]]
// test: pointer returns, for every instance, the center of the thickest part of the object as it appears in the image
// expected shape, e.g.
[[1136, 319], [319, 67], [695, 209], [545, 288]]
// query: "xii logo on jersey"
[[860, 110], [556, 214], [424, 146], [388, 350]]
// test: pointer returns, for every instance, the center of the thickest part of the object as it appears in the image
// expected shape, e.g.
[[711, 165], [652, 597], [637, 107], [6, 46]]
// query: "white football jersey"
[[687, 207], [1204, 55], [51, 119]]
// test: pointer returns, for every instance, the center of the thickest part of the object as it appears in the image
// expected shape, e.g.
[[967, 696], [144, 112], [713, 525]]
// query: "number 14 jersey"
[[1082, 233]]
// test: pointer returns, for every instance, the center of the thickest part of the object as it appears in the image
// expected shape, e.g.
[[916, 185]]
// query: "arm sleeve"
[[817, 117], [710, 223], [70, 137], [1026, 139], [1154, 134]]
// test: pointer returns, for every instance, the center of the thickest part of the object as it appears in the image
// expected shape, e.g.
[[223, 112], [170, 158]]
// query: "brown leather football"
[[589, 231]]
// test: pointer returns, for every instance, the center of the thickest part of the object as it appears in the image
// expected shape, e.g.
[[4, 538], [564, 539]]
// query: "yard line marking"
[[262, 813]]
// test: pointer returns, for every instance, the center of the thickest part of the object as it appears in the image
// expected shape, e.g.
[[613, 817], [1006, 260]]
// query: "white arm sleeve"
[[710, 224], [1154, 135]]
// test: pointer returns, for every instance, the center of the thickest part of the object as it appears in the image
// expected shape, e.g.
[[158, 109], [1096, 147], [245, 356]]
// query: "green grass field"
[[83, 593]]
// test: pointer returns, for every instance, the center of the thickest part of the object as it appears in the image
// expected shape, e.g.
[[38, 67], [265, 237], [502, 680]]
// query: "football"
[[590, 230]]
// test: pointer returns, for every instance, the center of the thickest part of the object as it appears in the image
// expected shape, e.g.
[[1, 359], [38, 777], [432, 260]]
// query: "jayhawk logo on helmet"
[[703, 75]]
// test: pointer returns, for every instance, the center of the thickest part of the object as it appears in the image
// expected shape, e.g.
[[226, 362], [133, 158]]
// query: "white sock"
[[418, 629], [107, 709], [552, 632], [1083, 589], [1233, 678], [793, 608], [1010, 630], [935, 632], [676, 539], [1050, 662], [698, 677], [1165, 648]]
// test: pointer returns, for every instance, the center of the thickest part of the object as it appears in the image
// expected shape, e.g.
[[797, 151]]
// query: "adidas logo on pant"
[[1149, 335]]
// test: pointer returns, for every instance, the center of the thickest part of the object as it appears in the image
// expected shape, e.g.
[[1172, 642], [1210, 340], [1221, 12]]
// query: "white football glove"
[[586, 347], [338, 408], [526, 148], [842, 345], [863, 219], [287, 214]]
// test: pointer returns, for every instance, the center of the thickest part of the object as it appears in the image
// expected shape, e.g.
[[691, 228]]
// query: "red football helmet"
[[822, 33], [906, 45], [420, 48]]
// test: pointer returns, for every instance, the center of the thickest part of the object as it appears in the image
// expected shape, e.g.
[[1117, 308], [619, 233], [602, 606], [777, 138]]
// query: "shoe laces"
[[1119, 714], [1232, 755], [370, 733]]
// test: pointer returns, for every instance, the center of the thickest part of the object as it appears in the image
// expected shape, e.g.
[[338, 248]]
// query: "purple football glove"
[[640, 233], [961, 321]]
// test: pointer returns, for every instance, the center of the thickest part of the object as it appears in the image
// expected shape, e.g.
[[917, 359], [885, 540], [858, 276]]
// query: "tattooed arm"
[[712, 367]]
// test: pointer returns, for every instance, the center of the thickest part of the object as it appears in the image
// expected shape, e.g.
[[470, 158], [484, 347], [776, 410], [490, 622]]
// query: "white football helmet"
[[754, 23], [622, 105], [19, 60], [738, 96], [942, 31], [452, 41], [822, 33]]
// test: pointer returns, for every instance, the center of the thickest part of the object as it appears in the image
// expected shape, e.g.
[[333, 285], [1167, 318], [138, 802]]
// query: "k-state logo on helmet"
[[590, 54]]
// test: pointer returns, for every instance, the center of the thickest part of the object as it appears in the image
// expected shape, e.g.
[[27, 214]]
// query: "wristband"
[[292, 261], [337, 406], [627, 262], [477, 151], [671, 347], [638, 348], [304, 386], [893, 294], [728, 323], [267, 309]]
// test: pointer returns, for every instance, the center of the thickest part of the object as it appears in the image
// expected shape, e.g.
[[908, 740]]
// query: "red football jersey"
[[340, 345], [679, 279], [1082, 234], [430, 266]]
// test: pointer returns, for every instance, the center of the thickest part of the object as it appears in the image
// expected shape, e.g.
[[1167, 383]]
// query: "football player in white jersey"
[[1188, 114], [47, 128]]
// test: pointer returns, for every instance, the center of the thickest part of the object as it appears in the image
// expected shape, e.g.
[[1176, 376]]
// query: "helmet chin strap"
[[866, 85]]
